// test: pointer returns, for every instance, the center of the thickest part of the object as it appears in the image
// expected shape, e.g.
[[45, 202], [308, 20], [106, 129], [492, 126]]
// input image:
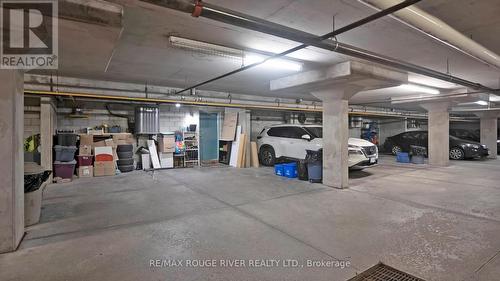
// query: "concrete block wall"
[[171, 118], [175, 119], [95, 118]]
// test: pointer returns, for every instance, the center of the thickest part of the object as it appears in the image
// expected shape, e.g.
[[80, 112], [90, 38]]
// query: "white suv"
[[291, 142]]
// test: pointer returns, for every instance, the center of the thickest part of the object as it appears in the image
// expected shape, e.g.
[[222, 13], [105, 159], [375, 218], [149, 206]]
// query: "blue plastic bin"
[[290, 170], [279, 170], [403, 157]]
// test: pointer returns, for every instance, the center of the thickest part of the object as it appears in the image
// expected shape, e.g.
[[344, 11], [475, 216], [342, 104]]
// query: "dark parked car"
[[459, 148], [465, 134]]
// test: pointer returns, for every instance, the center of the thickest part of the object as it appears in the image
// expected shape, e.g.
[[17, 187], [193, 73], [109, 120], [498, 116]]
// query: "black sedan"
[[459, 148]]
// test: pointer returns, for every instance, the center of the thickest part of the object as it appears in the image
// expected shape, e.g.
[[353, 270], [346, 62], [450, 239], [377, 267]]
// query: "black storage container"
[[66, 139]]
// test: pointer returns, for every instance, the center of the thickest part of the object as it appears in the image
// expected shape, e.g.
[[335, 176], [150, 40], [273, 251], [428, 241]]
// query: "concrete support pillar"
[[439, 132], [47, 121], [11, 160], [489, 133], [336, 134]]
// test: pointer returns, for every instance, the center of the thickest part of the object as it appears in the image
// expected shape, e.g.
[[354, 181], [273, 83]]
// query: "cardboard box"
[[104, 168], [86, 140], [104, 153], [166, 159], [85, 150], [229, 126], [166, 143], [85, 171], [123, 138]]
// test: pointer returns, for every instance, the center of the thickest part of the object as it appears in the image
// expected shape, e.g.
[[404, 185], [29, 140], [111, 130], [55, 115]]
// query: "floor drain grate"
[[382, 272]]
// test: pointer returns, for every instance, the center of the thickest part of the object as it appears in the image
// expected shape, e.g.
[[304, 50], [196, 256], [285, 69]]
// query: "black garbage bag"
[[32, 182], [302, 170], [313, 156]]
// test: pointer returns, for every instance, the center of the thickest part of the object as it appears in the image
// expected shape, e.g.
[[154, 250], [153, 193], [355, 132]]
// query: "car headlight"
[[355, 152], [484, 146]]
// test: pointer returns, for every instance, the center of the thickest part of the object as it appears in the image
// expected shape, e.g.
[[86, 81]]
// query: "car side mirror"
[[306, 137]]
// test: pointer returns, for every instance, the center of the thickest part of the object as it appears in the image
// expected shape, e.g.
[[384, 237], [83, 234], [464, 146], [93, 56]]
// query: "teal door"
[[209, 136]]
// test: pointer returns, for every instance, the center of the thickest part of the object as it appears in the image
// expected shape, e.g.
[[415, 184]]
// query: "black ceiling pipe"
[[249, 22]]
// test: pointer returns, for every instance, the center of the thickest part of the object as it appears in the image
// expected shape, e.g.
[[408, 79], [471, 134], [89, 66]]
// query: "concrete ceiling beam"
[[92, 11]]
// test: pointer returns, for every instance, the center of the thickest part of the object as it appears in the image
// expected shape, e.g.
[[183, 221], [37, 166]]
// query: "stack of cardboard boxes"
[[85, 151], [166, 149], [104, 153]]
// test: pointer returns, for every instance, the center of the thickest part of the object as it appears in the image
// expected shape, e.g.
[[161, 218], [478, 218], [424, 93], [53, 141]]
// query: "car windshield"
[[316, 132]]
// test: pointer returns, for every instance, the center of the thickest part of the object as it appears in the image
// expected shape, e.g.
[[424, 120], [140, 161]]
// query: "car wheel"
[[457, 153], [395, 149], [267, 156]]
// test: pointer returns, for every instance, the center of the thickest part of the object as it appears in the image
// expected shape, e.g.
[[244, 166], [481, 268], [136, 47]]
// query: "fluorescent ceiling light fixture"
[[281, 64], [205, 48], [481, 102], [231, 53], [419, 89]]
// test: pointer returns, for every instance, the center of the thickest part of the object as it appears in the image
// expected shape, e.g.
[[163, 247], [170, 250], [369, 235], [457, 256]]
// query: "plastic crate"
[[65, 153], [290, 170], [67, 139], [64, 170], [84, 160], [279, 170], [403, 157]]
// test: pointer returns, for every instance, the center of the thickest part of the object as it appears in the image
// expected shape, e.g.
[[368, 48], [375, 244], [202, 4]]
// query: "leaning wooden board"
[[154, 154], [241, 151], [255, 156]]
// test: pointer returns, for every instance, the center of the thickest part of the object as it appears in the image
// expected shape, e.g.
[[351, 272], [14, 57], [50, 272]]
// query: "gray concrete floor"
[[437, 223]]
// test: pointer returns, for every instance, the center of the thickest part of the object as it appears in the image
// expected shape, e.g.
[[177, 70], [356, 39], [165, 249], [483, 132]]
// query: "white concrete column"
[[47, 115], [336, 134], [11, 160], [489, 127], [439, 132]]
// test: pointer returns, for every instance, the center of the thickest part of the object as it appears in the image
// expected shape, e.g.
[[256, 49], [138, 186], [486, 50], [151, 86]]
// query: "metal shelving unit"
[[192, 151]]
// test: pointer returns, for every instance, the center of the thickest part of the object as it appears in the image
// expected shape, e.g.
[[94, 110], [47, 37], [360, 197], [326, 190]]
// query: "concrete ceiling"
[[141, 52]]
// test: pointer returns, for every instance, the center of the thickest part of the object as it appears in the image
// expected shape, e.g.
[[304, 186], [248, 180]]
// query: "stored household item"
[[166, 160], [104, 168], [302, 170], [84, 160], [35, 180], [33, 206], [125, 154], [85, 171], [64, 170], [86, 140], [279, 169], [147, 120], [417, 159], [85, 150], [124, 148], [104, 153], [314, 156], [146, 161], [125, 162], [290, 170], [416, 150], [126, 168], [403, 157], [66, 139], [64, 153], [166, 143], [115, 129], [315, 172]]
